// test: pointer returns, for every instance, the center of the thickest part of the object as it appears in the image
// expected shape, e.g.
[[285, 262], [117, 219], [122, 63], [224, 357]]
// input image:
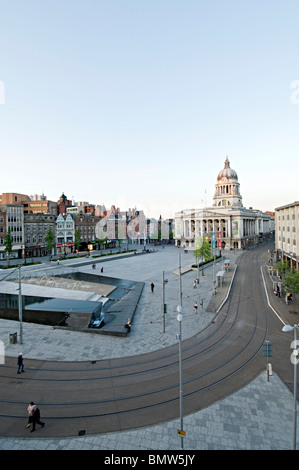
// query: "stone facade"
[[226, 224], [36, 228], [65, 234], [287, 233], [12, 216]]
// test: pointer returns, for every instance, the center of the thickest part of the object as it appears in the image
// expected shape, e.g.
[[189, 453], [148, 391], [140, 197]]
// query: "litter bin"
[[13, 338]]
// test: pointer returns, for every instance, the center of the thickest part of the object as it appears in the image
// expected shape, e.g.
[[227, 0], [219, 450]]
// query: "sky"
[[137, 103]]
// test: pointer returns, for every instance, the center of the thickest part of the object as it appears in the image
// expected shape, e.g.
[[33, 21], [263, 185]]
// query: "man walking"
[[20, 363], [36, 418]]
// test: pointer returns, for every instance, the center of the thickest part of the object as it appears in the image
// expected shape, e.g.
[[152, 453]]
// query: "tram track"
[[144, 389]]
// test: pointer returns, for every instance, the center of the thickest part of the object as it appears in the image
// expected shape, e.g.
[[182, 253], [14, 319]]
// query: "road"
[[117, 394]]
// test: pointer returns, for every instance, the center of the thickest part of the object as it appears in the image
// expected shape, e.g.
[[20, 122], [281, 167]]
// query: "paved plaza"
[[256, 417]]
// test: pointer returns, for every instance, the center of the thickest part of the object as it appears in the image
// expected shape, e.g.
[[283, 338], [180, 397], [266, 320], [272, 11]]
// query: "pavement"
[[257, 417]]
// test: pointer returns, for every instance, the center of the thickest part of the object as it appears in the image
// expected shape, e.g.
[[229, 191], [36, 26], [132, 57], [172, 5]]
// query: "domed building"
[[227, 191], [226, 224]]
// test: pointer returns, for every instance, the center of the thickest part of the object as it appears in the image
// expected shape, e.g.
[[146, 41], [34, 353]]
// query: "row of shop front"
[[61, 249]]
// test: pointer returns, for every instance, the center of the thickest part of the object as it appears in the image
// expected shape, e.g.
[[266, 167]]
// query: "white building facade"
[[65, 234], [287, 233], [226, 224]]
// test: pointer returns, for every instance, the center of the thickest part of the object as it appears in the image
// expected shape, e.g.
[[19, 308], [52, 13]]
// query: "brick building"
[[86, 223]]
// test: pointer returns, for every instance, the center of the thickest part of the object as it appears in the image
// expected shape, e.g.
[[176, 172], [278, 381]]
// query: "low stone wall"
[[34, 316]]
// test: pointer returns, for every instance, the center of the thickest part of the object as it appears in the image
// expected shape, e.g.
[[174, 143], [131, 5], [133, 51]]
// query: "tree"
[[282, 267], [119, 240], [77, 239], [202, 250], [8, 244], [291, 282], [50, 242], [101, 241]]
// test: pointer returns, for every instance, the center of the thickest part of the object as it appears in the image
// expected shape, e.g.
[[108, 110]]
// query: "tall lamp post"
[[180, 319], [20, 308], [164, 281], [294, 359]]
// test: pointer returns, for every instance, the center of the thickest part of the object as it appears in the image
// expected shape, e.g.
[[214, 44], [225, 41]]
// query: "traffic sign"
[[267, 350], [181, 433]]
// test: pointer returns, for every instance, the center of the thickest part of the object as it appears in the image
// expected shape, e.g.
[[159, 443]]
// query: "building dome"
[[227, 172], [227, 188]]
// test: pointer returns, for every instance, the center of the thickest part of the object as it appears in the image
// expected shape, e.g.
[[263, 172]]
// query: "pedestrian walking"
[[20, 363], [30, 413], [102, 269], [195, 307], [201, 303], [36, 418], [194, 283], [152, 286]]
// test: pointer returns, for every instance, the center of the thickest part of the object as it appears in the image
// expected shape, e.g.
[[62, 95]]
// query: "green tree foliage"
[[291, 282], [8, 244], [77, 238], [50, 241], [202, 249], [101, 241], [282, 267]]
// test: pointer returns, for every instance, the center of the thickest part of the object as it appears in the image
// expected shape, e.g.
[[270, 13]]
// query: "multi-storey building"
[[65, 234], [227, 224], [2, 230], [36, 227], [12, 216], [40, 206], [86, 223], [87, 209], [13, 198], [287, 233], [63, 204]]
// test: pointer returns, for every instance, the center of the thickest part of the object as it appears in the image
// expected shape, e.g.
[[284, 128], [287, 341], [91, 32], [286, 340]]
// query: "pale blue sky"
[[138, 103]]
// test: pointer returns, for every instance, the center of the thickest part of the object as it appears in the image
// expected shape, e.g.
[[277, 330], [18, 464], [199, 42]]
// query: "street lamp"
[[180, 319], [20, 308], [164, 281], [294, 359]]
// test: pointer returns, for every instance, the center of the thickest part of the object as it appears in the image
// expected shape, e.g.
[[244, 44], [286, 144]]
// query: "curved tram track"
[[113, 395]]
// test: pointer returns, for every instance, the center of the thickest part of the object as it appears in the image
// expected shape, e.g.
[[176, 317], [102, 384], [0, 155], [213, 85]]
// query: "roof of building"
[[227, 172]]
